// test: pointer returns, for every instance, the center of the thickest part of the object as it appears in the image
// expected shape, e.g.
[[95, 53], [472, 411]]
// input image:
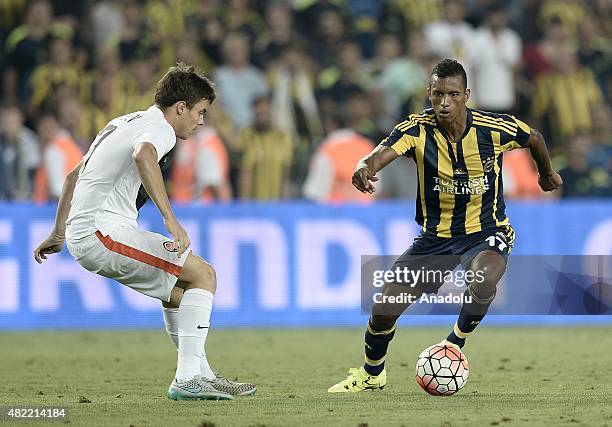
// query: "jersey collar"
[[468, 125], [156, 109]]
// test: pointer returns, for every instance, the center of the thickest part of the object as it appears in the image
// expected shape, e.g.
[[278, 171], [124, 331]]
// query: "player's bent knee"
[[489, 265], [208, 275], [197, 273]]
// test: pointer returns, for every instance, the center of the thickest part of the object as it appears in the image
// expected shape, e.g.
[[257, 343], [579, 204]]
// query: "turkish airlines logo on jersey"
[[170, 247]]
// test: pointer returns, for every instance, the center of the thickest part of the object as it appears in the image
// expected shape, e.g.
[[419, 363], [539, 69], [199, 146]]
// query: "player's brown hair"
[[183, 83]]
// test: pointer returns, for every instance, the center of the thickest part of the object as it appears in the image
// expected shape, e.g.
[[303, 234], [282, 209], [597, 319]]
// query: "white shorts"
[[144, 261]]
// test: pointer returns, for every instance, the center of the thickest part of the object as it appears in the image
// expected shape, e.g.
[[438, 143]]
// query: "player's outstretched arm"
[[145, 158], [365, 172], [549, 180], [55, 241]]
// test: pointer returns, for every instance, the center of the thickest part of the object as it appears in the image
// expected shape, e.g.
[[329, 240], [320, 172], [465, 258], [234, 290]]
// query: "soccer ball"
[[442, 370]]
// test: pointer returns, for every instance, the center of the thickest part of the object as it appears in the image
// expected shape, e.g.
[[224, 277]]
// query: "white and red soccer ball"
[[442, 370]]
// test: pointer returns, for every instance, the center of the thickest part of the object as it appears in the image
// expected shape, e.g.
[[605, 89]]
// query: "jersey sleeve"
[[403, 137], [162, 137], [518, 139]]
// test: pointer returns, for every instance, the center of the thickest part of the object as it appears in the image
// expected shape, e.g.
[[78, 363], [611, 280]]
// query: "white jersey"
[[107, 186]]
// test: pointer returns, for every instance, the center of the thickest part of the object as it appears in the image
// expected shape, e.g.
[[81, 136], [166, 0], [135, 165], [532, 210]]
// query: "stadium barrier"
[[285, 264]]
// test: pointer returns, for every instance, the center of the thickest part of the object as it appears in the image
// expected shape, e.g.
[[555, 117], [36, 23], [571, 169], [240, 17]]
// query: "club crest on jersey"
[[488, 163], [169, 246]]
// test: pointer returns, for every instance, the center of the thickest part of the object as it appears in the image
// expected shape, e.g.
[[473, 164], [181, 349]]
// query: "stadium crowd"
[[305, 87]]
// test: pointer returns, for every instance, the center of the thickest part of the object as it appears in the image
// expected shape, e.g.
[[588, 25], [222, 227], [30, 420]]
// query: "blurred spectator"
[[279, 35], [475, 10], [71, 120], [238, 17], [221, 121], [294, 108], [26, 48], [19, 155], [495, 56], [403, 79], [451, 36], [107, 65], [211, 38], [218, 119], [169, 18], [265, 156], [364, 16], [48, 77], [60, 155], [524, 19], [12, 13], [539, 57], [141, 84], [401, 16], [570, 12], [310, 12], [68, 12], [565, 100], [203, 10], [337, 83], [359, 116], [107, 21], [520, 176], [330, 31], [581, 179], [594, 53], [600, 12], [137, 38], [167, 22], [105, 105], [200, 172], [332, 166], [187, 51], [600, 155], [238, 81], [602, 132], [294, 105]]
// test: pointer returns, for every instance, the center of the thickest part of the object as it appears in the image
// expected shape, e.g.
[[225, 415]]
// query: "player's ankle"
[[373, 371], [454, 339]]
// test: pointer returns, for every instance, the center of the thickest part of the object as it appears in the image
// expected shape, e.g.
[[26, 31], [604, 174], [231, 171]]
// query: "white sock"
[[193, 322], [171, 321]]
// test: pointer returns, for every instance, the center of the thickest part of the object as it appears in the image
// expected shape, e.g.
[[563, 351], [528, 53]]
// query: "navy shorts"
[[442, 253]]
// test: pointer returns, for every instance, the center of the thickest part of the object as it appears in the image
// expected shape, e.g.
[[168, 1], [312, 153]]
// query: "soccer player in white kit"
[[97, 214]]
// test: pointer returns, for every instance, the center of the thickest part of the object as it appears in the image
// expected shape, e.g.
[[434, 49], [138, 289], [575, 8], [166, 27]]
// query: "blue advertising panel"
[[287, 264]]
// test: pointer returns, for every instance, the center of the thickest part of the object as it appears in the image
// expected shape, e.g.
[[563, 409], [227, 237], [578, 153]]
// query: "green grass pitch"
[[518, 376]]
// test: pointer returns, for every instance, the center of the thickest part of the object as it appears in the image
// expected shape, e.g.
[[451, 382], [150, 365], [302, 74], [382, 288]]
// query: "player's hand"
[[179, 235], [550, 182], [363, 179], [51, 245]]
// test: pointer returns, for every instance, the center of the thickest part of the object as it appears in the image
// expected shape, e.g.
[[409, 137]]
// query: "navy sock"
[[376, 344], [470, 317]]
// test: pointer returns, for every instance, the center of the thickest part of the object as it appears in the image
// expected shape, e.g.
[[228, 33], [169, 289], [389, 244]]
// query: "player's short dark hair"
[[183, 83], [449, 68]]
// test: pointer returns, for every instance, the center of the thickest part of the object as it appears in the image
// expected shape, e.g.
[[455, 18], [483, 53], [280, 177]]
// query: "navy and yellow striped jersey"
[[460, 185]]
